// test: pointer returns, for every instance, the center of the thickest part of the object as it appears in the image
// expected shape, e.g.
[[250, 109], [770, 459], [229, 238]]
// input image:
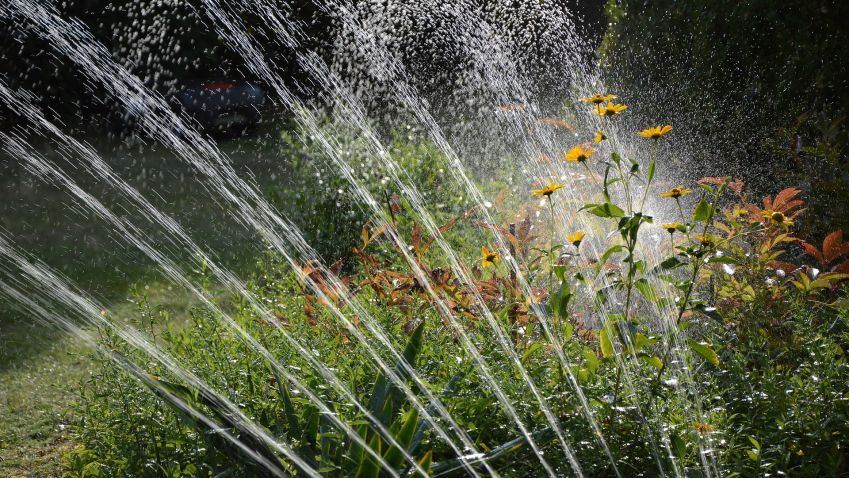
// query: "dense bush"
[[696, 343], [326, 206]]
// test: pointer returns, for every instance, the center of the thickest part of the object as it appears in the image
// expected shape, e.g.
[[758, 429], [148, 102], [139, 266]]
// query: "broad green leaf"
[[646, 290], [605, 342], [607, 209], [533, 348], [702, 211], [559, 272], [671, 263], [394, 456], [288, 408], [384, 390], [704, 351], [641, 341], [652, 360], [723, 260], [559, 301], [568, 329], [591, 360], [610, 251]]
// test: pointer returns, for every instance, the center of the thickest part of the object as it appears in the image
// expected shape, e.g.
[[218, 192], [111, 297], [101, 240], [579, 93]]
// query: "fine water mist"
[[126, 183]]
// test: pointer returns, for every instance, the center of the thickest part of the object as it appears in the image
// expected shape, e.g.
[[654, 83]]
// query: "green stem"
[[649, 180], [626, 183], [697, 264], [551, 245], [683, 218]]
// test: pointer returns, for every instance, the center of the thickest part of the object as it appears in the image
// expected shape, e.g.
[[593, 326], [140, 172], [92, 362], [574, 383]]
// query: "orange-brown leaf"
[[417, 238], [782, 198], [842, 268], [811, 250], [445, 227], [833, 246], [714, 180], [556, 122], [395, 203], [786, 267]]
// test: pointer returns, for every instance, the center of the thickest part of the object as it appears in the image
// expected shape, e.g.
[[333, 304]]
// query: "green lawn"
[[39, 371], [41, 368]]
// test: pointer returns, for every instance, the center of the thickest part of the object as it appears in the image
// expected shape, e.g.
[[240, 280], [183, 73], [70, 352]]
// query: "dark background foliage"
[[765, 83], [168, 41]]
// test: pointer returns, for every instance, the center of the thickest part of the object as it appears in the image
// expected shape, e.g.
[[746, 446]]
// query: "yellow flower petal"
[[546, 191], [578, 154]]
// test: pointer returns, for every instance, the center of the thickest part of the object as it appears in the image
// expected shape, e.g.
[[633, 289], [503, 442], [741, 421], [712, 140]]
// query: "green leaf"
[[395, 456], [710, 312], [610, 251], [671, 263], [646, 290], [607, 209], [605, 342], [723, 260], [384, 390], [704, 351], [641, 341], [426, 464], [310, 432], [369, 468], [650, 173], [841, 305], [702, 211], [591, 360], [651, 360], [448, 468], [288, 408], [559, 272], [559, 301], [568, 330], [533, 348], [678, 445]]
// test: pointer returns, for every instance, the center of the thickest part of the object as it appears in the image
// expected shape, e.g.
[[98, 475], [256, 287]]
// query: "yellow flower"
[[656, 132], [706, 240], [599, 137], [739, 212], [671, 227], [597, 99], [675, 192], [490, 258], [610, 110], [575, 238], [778, 218], [578, 154], [703, 427], [546, 191]]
